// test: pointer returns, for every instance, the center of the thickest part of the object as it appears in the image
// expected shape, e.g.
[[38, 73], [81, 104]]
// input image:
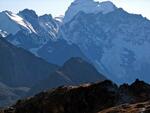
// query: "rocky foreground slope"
[[87, 98], [143, 107]]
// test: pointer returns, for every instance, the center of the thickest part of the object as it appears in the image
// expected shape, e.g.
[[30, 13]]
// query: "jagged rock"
[[86, 98]]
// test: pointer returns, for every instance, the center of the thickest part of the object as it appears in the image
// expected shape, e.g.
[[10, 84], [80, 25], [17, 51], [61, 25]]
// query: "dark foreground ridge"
[[142, 107], [86, 98]]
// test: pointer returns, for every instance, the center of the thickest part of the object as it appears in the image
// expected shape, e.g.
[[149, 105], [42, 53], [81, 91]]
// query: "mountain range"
[[115, 41], [23, 74], [18, 71], [94, 41], [20, 68], [38, 34], [90, 30]]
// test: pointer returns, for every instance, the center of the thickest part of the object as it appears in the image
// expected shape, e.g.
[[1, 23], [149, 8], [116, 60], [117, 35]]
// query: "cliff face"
[[87, 98]]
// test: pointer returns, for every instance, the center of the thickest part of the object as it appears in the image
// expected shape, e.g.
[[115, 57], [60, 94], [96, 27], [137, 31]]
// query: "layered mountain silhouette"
[[58, 56], [74, 72], [19, 71], [90, 30], [21, 68], [38, 34], [58, 52]]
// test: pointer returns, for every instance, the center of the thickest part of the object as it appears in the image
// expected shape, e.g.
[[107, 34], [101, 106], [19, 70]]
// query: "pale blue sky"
[[58, 7]]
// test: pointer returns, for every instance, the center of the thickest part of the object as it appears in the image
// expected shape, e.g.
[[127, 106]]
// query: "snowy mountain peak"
[[6, 12], [15, 23], [88, 6], [20, 21]]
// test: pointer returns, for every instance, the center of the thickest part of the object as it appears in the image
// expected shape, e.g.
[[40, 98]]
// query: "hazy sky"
[[58, 7]]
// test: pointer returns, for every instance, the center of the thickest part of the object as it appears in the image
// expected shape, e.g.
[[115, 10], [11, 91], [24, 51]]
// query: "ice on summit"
[[12, 23], [88, 6], [21, 21]]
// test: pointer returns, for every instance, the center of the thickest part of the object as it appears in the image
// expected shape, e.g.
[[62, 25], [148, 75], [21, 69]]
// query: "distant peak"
[[88, 6], [79, 1], [27, 12], [46, 17], [109, 3], [106, 6], [6, 12]]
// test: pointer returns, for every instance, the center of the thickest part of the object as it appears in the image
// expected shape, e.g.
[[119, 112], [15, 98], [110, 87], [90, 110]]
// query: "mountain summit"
[[12, 23], [88, 6], [115, 42]]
